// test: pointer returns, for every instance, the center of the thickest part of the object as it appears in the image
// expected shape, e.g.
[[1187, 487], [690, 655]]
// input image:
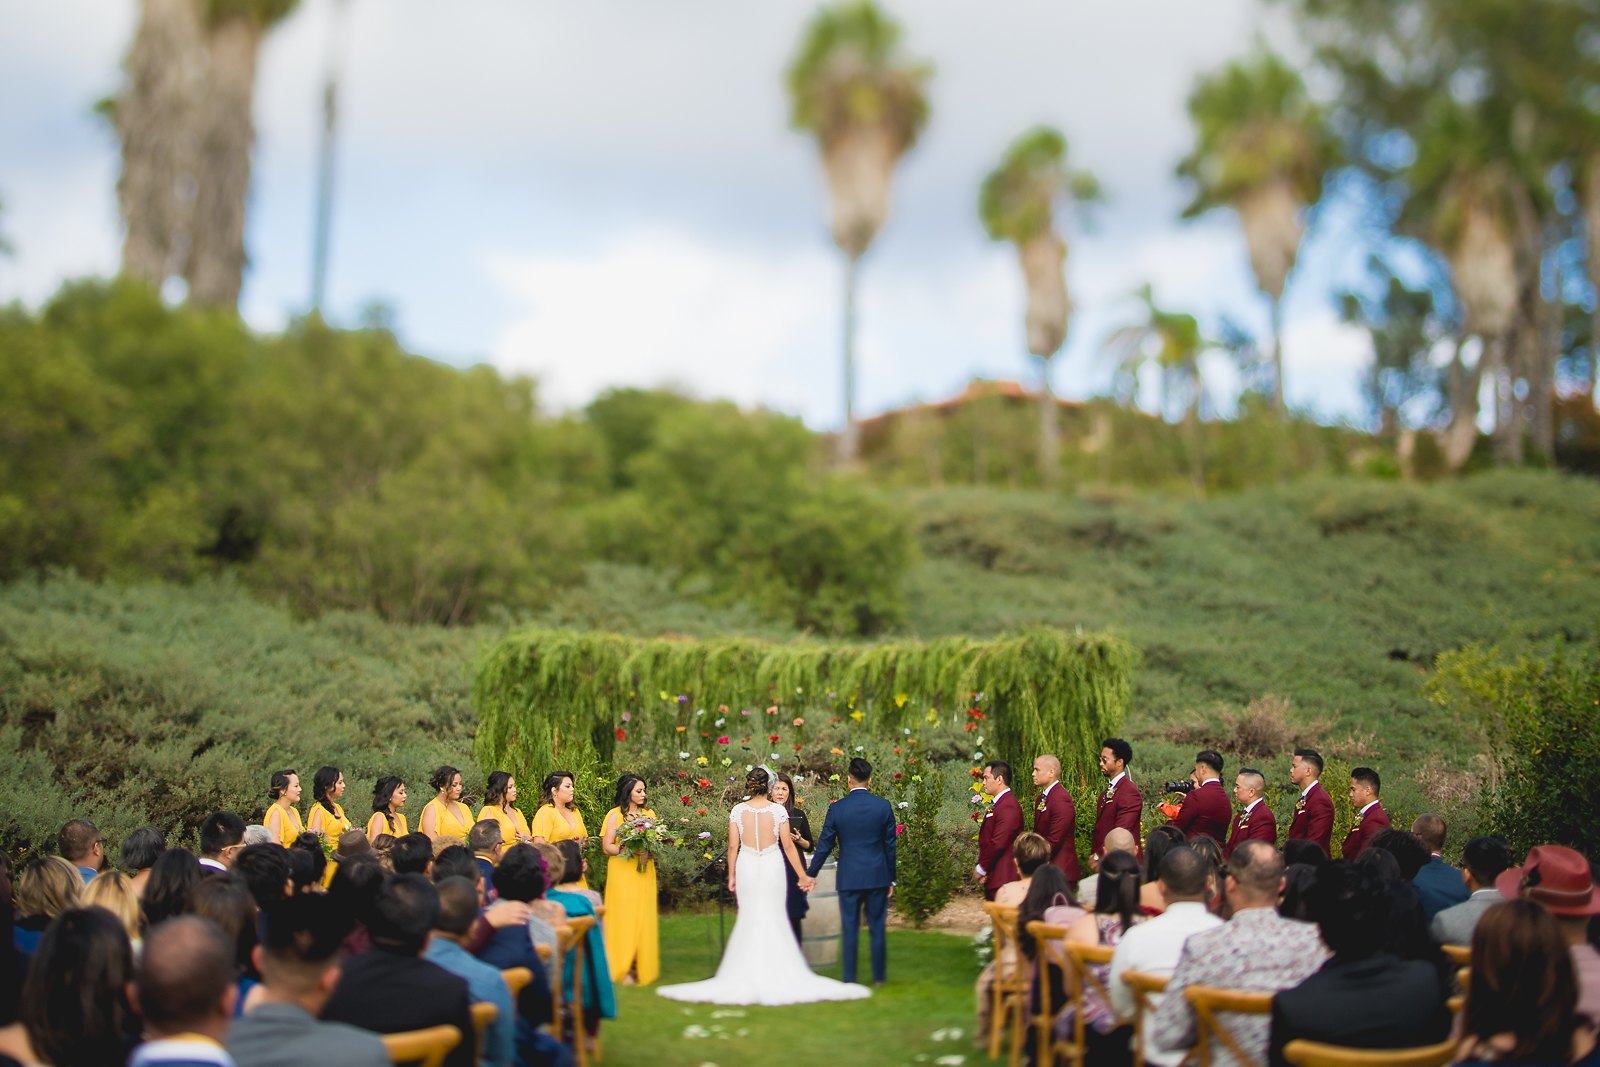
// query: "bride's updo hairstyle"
[[758, 782]]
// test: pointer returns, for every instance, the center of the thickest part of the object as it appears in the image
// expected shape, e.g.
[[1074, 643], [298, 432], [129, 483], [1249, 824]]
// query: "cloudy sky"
[[607, 192]]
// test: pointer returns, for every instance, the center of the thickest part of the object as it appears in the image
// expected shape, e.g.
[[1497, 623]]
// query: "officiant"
[[800, 830]]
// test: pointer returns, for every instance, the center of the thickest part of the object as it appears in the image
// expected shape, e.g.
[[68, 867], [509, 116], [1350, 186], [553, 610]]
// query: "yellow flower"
[[833, 777], [664, 695], [858, 715], [702, 761], [933, 715], [899, 700], [707, 855]]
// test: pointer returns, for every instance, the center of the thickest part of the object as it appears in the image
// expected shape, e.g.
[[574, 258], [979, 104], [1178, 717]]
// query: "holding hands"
[[806, 883]]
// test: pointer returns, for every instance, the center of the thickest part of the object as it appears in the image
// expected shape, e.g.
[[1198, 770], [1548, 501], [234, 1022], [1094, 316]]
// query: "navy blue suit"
[[863, 827], [1440, 886]]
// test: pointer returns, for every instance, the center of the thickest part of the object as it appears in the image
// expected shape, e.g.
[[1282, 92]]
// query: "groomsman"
[[1255, 821], [1055, 818], [1313, 812], [1119, 803], [1001, 825], [1370, 816], [1205, 809]]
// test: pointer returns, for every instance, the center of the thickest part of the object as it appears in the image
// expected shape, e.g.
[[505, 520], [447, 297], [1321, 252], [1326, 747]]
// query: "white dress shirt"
[[1153, 947]]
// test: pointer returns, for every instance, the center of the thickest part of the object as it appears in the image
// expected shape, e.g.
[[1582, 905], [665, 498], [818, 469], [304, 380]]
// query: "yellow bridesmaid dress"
[[446, 822], [510, 825], [379, 825], [330, 824], [632, 938], [289, 824], [548, 824]]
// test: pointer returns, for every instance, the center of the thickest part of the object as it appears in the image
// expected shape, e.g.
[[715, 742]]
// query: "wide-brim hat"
[[1553, 876]]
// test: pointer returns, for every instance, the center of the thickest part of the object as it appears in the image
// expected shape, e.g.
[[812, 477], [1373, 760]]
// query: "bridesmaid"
[[283, 818], [558, 818], [632, 940], [388, 797], [800, 830], [498, 797], [445, 815], [326, 816]]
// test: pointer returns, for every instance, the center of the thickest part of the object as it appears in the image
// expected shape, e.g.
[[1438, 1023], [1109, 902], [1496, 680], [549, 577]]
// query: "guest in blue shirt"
[[458, 907], [1439, 885], [520, 878]]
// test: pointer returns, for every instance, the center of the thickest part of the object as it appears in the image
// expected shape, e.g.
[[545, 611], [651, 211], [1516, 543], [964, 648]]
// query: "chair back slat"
[[483, 1015], [423, 1048], [1460, 955], [1142, 985], [1209, 1002], [1317, 1054]]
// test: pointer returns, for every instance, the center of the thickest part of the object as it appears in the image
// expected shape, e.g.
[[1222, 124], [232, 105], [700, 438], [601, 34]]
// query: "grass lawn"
[[910, 1020]]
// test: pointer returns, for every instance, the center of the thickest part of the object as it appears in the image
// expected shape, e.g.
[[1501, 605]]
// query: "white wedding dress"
[[762, 963]]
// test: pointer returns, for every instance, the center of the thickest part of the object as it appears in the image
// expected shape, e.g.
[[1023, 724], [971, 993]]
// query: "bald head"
[[186, 977], [1257, 871], [1120, 840], [1046, 770]]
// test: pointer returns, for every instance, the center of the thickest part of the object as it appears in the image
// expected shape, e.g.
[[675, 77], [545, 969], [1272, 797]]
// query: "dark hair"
[[1522, 983], [443, 777], [1047, 887], [788, 805], [1120, 749], [1406, 848], [1368, 776], [302, 872], [322, 784], [184, 973], [1351, 905], [1380, 860], [1000, 769], [458, 905], [1311, 755], [860, 769], [456, 861], [571, 860], [141, 848], [279, 783], [1184, 872], [1211, 758], [353, 889], [1117, 891], [383, 795], [1295, 901], [74, 1000], [412, 854], [1160, 841], [624, 795], [494, 790], [758, 781], [1300, 852], [227, 901], [265, 869], [552, 782], [520, 875], [76, 838], [172, 880], [403, 911], [1209, 850], [305, 930], [1487, 858], [308, 844], [222, 829], [484, 835]]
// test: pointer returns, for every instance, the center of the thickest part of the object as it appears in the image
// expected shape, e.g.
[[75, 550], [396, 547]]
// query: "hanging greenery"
[[558, 698]]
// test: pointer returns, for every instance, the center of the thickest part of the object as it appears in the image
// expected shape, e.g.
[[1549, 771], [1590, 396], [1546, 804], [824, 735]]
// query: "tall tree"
[[1172, 340], [1262, 147], [852, 89], [1018, 203]]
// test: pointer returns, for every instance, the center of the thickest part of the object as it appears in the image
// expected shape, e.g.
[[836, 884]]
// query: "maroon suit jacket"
[[1205, 811], [1313, 819], [1262, 825], [1056, 820], [1001, 825], [1123, 810], [1366, 828]]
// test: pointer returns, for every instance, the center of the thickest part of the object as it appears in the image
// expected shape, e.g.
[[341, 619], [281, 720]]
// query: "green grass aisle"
[[911, 1020]]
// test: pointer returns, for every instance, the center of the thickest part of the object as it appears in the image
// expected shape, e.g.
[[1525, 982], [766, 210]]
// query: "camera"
[[1182, 786]]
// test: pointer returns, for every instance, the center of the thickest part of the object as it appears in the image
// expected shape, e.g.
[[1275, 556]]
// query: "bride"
[[762, 964]]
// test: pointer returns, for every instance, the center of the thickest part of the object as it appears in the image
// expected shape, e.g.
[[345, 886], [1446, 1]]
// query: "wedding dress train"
[[762, 964]]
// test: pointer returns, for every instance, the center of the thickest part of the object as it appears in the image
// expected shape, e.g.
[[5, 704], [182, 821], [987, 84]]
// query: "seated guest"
[[454, 861], [256, 834], [1370, 816], [574, 872], [351, 843], [1402, 854], [1438, 884], [520, 878], [1049, 900], [299, 962], [487, 841], [389, 988], [413, 854], [1522, 996], [227, 903], [1118, 839], [307, 863], [1116, 912], [599, 997], [1029, 852], [112, 891], [1211, 852], [139, 852], [1154, 947], [383, 849], [1160, 841], [1485, 859], [185, 993], [1257, 950], [1558, 879], [45, 887], [265, 869], [1303, 853], [354, 893], [81, 845], [458, 908], [1364, 997], [1294, 902], [172, 880], [221, 839], [74, 1005]]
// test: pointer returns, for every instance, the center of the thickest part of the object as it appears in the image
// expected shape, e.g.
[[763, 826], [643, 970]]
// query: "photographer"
[[1205, 807]]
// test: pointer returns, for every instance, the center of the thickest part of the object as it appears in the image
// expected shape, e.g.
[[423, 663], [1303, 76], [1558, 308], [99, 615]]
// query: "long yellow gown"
[[449, 820], [550, 825], [632, 938], [288, 824], [510, 825]]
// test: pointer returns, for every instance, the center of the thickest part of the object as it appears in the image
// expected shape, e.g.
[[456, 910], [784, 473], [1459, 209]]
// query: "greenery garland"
[[561, 698]]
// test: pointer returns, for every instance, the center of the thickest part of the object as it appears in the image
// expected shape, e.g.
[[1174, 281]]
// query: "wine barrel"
[[819, 931]]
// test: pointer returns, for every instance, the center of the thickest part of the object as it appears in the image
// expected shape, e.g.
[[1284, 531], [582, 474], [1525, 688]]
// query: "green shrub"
[[927, 870]]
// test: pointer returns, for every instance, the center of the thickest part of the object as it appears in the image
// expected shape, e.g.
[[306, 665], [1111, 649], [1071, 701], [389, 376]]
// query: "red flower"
[[703, 783], [977, 772], [971, 726], [797, 748], [898, 775], [683, 774], [897, 752], [622, 735], [772, 737], [700, 811], [685, 801], [722, 740], [976, 816], [745, 739], [899, 828]]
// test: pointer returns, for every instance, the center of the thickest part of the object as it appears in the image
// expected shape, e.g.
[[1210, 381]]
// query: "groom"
[[863, 825]]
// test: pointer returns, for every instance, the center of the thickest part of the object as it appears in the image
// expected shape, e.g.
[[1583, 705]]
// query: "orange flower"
[[681, 729], [837, 751]]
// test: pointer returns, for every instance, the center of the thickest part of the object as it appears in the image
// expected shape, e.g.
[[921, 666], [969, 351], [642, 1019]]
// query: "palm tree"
[[1017, 203], [1171, 340], [850, 88], [1262, 147]]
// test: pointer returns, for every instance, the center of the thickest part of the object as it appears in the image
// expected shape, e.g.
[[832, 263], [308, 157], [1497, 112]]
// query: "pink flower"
[[722, 740]]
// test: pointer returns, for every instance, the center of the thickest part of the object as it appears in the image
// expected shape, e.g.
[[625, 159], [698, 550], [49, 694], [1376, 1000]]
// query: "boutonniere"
[[1111, 791], [1244, 820], [1300, 806], [988, 815], [1041, 806]]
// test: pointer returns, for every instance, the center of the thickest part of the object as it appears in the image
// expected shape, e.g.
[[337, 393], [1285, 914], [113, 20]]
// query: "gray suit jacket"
[[1454, 925], [285, 1035]]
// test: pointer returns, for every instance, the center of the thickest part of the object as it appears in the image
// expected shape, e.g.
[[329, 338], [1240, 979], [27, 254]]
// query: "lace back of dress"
[[757, 828]]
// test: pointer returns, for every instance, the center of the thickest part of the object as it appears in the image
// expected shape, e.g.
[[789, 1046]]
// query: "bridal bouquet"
[[638, 838]]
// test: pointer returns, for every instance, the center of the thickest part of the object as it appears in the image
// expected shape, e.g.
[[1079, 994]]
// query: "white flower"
[[719, 721], [977, 755], [773, 756], [683, 755], [904, 804], [861, 748], [699, 712], [950, 1061], [696, 1031], [908, 731]]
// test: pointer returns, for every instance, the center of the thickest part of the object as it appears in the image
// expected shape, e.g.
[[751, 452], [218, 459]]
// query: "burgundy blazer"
[[1055, 819], [1123, 810], [1262, 825], [1313, 819], [1001, 825], [1205, 811], [1366, 828]]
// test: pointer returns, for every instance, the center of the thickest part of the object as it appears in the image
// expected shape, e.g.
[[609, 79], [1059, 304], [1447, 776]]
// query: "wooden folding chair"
[[1460, 955], [516, 979], [1143, 985], [1316, 1054], [1208, 1002], [483, 1013], [423, 1048], [1073, 961], [571, 942], [1008, 993]]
